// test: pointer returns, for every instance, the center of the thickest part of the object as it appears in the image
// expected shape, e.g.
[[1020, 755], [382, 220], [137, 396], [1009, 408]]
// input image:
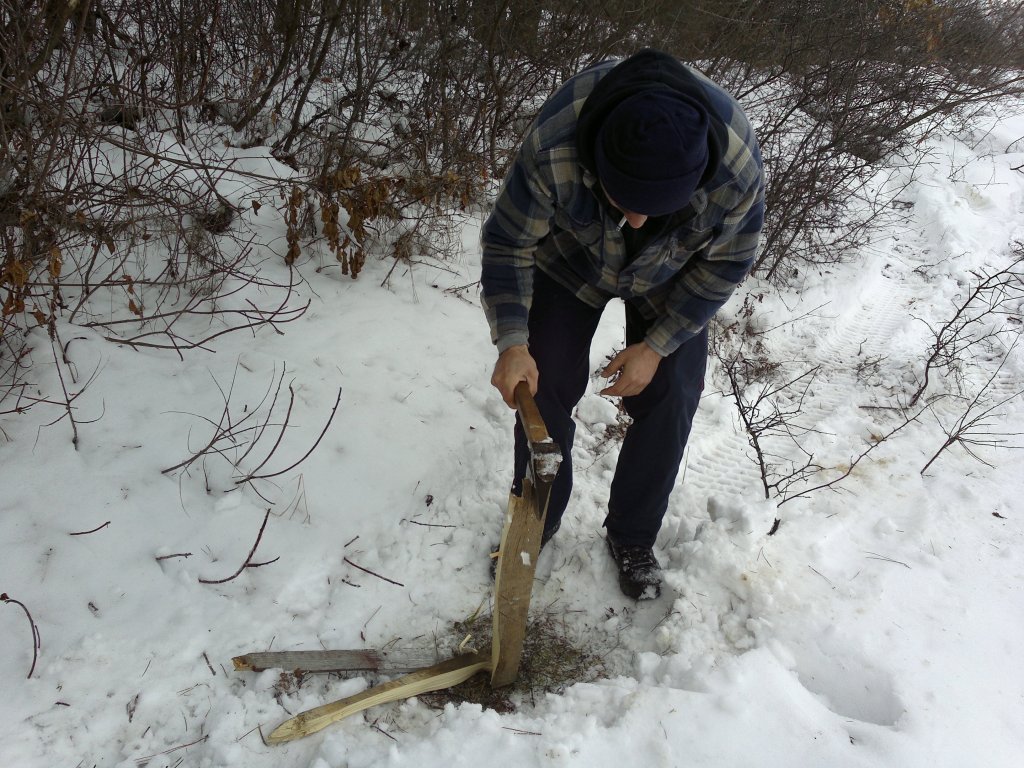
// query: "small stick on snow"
[[147, 758], [429, 525], [35, 631], [248, 560], [876, 556], [257, 728], [381, 730], [826, 578], [168, 557], [372, 615], [86, 533], [366, 570]]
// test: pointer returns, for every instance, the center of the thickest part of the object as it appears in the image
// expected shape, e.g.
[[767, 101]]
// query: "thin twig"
[[792, 320], [177, 554], [853, 462], [86, 533], [372, 615], [36, 644], [826, 578], [68, 398], [219, 431], [248, 560], [142, 760], [67, 404], [876, 556], [381, 730], [365, 570], [966, 429], [266, 423], [305, 456]]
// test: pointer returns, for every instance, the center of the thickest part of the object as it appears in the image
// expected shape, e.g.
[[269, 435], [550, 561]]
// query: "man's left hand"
[[636, 366]]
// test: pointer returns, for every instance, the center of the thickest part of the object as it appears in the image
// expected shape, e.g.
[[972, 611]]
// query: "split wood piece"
[[358, 660], [513, 584], [443, 675], [520, 543]]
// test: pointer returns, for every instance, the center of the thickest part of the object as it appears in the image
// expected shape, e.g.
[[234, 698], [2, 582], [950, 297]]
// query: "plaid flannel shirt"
[[548, 216]]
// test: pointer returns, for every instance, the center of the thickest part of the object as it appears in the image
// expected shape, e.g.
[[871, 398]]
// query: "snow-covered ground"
[[880, 626]]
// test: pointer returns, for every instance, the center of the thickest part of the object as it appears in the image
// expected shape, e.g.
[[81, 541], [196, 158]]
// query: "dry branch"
[[86, 533], [976, 426], [306, 455], [367, 570], [248, 560], [36, 643]]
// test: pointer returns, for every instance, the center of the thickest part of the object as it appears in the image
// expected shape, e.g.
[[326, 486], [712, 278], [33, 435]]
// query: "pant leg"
[[561, 330], [653, 446]]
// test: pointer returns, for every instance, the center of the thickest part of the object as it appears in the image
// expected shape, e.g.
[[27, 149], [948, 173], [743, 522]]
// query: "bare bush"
[[770, 396], [118, 121], [982, 334], [983, 318], [114, 116], [111, 202], [838, 88], [979, 424], [247, 439]]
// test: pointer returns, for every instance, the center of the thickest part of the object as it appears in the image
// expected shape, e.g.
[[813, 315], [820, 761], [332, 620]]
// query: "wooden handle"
[[529, 414]]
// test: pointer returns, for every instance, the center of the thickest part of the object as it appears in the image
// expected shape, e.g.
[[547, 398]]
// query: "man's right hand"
[[514, 365]]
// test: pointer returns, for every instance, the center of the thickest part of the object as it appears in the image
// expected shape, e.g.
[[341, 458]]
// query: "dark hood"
[[647, 70]]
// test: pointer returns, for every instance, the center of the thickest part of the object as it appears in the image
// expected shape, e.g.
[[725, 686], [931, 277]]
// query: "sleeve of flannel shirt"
[[521, 218], [710, 277]]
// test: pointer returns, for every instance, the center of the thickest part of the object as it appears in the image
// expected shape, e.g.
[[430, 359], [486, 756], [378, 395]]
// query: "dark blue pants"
[[561, 330]]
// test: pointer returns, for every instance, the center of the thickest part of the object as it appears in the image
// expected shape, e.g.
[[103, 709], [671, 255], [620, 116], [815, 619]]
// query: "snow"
[[879, 626]]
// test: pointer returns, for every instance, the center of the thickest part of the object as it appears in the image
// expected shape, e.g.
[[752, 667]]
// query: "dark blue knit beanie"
[[651, 151]]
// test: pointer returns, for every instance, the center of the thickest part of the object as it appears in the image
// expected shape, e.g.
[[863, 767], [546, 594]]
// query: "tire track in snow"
[[865, 330], [859, 336], [718, 460]]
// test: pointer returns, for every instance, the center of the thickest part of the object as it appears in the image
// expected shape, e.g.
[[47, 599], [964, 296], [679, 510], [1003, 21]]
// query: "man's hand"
[[514, 365], [636, 366]]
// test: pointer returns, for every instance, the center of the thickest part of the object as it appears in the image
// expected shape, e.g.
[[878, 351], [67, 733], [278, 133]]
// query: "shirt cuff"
[[662, 340], [511, 340]]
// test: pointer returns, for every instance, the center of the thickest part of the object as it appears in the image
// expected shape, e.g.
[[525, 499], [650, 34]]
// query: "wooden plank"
[[520, 543], [443, 675], [360, 659], [513, 583]]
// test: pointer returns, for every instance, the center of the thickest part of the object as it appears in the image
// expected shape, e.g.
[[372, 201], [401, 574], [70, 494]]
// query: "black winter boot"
[[639, 570]]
